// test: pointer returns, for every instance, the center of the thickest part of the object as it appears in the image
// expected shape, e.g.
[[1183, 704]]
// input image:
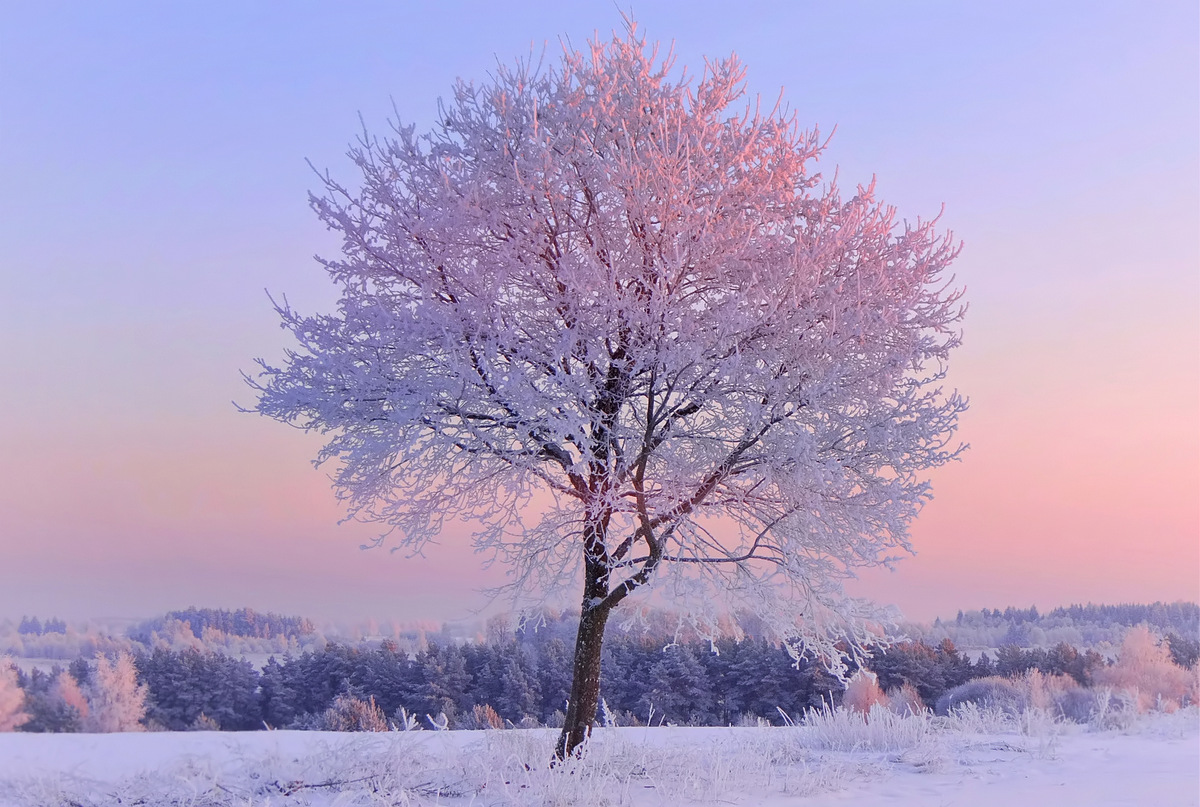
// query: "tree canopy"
[[630, 289]]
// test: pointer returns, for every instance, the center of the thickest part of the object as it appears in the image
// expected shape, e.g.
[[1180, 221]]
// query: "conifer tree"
[[678, 689]]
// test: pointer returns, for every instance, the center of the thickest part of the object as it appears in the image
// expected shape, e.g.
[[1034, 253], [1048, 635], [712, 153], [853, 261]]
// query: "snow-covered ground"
[[839, 760]]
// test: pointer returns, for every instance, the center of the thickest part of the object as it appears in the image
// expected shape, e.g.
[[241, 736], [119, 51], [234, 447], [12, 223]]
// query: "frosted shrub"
[[204, 723], [1113, 710], [905, 700], [1145, 670], [406, 721], [482, 716], [1060, 696], [1037, 691], [749, 720], [1032, 697], [863, 693], [878, 730], [627, 718], [1078, 705], [989, 693], [609, 718], [971, 718], [349, 713]]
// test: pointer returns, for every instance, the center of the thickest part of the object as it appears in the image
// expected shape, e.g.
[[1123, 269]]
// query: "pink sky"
[[156, 184]]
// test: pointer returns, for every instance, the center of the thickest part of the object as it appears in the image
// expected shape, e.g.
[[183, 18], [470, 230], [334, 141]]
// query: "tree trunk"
[[585, 683]]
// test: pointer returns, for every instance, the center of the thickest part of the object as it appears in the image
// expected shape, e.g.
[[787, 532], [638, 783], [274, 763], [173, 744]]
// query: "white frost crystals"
[[617, 286]]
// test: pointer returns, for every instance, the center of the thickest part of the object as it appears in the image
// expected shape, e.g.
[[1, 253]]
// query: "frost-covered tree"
[[1144, 668], [611, 314], [71, 699], [116, 701], [53, 700], [12, 697]]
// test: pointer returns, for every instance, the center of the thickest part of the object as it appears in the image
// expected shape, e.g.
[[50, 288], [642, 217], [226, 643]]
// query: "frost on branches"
[[609, 282]]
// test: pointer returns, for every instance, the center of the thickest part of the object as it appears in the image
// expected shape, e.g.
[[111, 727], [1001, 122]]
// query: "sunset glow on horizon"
[[157, 184]]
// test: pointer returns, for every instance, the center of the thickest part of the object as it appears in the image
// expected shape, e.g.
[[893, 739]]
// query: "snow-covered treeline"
[[244, 632], [523, 680]]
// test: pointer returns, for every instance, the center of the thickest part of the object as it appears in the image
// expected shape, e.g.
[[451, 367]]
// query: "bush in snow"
[[989, 693], [204, 723], [405, 720], [1113, 710], [1047, 691], [863, 692], [349, 713], [904, 700], [1036, 695], [1078, 705], [752, 721], [482, 716]]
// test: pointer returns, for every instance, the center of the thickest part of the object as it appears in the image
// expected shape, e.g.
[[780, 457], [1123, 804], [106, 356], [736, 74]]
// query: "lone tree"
[[599, 284]]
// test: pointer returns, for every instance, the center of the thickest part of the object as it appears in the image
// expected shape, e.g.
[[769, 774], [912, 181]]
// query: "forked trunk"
[[585, 684]]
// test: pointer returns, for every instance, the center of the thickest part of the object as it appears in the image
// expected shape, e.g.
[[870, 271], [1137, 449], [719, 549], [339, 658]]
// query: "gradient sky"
[[154, 184]]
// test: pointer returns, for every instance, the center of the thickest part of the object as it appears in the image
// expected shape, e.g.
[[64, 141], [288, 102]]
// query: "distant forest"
[[242, 622], [1083, 626], [245, 632], [521, 677]]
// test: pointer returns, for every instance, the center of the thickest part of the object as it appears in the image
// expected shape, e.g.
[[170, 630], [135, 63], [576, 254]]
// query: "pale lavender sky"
[[154, 182]]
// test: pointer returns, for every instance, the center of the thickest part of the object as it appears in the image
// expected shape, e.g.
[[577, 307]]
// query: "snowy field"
[[837, 759]]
